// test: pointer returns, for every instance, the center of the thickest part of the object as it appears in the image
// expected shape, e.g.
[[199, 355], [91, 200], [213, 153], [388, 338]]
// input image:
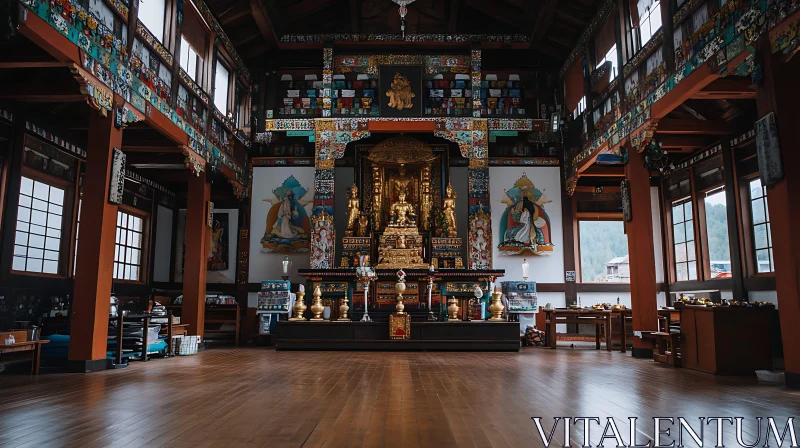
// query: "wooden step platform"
[[435, 336]]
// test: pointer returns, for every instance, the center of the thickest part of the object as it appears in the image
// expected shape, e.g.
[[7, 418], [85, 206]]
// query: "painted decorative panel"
[[281, 208]]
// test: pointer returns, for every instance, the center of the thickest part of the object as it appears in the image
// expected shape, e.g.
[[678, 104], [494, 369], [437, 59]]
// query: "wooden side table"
[[32, 346]]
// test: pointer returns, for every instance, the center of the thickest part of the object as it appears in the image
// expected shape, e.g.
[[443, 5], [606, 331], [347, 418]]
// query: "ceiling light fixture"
[[403, 11]]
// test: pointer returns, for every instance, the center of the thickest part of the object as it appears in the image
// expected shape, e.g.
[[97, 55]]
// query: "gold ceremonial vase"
[[343, 309], [496, 308], [299, 306], [452, 310], [316, 306]]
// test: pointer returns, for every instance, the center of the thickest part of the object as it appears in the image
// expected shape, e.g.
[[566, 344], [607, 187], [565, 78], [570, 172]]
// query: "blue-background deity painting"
[[288, 225]]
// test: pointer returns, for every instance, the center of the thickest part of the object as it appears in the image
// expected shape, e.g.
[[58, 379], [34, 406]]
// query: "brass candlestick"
[[343, 309], [316, 306], [496, 308], [299, 307], [452, 310]]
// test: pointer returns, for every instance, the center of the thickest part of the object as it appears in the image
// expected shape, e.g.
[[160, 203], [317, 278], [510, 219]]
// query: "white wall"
[[543, 268], [226, 276], [163, 245], [267, 265]]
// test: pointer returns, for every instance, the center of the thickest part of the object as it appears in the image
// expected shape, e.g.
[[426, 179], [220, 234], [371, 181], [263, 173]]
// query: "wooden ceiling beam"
[[561, 40], [695, 127], [503, 13], [33, 64], [692, 111], [43, 86], [148, 148], [234, 16], [604, 171], [44, 98], [265, 24], [299, 10], [355, 16], [252, 51], [452, 25], [571, 19], [246, 39], [727, 88], [689, 142], [544, 18]]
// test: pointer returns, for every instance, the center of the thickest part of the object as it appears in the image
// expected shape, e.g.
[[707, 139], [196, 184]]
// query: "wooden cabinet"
[[725, 340]]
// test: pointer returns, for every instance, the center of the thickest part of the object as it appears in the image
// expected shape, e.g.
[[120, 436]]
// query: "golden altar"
[[401, 209]]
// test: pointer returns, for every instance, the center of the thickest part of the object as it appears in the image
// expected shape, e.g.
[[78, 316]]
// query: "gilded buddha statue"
[[401, 182], [402, 213], [449, 212], [353, 211]]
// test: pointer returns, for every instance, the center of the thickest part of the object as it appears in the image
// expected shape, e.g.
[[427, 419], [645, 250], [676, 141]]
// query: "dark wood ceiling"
[[256, 26]]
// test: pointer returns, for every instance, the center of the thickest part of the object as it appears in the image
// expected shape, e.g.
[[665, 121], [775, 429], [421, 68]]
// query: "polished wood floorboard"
[[256, 397]]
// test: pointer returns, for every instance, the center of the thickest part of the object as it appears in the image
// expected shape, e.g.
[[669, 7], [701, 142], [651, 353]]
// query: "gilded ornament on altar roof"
[[400, 94], [402, 150]]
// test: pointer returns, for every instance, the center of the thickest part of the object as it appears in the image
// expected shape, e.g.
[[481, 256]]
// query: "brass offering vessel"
[[497, 307], [317, 307]]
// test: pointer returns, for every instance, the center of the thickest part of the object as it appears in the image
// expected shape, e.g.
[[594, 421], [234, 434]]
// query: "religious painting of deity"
[[401, 90], [322, 241], [480, 237], [525, 225], [288, 227], [218, 248]]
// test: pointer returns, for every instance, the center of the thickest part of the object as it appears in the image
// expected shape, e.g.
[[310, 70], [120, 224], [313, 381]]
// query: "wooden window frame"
[[671, 249], [748, 234], [144, 251], [205, 71], [220, 56], [66, 219], [577, 231], [702, 225]]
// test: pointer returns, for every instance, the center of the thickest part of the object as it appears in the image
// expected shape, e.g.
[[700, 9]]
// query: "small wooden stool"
[[667, 348]]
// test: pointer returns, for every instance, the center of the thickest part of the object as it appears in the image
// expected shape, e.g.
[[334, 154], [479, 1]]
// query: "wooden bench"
[[22, 345]]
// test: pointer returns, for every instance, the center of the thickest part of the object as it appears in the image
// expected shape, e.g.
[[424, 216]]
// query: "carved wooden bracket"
[[193, 161], [639, 139]]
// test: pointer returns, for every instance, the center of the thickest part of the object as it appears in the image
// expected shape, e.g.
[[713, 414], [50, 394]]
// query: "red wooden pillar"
[[195, 259], [641, 253], [779, 93], [95, 262]]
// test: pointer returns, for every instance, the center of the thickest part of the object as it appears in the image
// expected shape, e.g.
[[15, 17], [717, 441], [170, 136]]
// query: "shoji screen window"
[[37, 242], [128, 247]]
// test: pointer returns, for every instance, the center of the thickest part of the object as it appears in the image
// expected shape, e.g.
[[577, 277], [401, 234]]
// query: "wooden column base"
[[792, 380], [95, 365]]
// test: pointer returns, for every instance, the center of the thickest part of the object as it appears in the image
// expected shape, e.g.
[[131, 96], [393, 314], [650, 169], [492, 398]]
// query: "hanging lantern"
[[403, 11]]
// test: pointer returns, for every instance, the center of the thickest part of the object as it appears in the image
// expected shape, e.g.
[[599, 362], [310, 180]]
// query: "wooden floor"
[[259, 397]]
